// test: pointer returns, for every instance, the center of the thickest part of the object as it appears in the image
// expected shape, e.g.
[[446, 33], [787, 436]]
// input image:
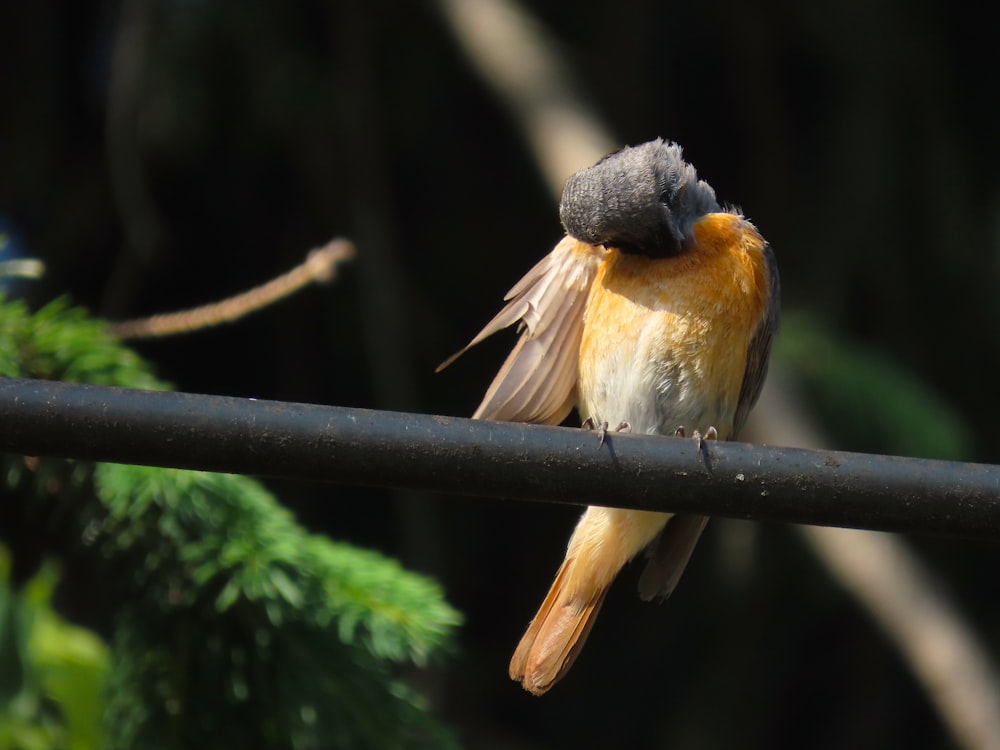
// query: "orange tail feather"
[[603, 541], [556, 635]]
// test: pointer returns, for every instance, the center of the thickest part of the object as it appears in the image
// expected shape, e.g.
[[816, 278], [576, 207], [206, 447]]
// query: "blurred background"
[[160, 154]]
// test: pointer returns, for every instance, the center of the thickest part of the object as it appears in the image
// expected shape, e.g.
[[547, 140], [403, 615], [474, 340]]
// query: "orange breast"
[[665, 340]]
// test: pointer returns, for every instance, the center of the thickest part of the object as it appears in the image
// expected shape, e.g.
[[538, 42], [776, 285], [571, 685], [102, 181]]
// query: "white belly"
[[656, 379]]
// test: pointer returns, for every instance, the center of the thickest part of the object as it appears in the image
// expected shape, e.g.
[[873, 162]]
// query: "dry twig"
[[319, 266]]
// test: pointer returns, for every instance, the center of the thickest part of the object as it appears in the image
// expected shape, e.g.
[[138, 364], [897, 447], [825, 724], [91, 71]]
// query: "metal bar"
[[501, 460]]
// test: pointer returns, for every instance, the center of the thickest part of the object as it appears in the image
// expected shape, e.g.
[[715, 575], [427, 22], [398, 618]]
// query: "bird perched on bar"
[[654, 313]]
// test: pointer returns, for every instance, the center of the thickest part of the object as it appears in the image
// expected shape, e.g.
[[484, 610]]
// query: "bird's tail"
[[554, 638], [604, 540]]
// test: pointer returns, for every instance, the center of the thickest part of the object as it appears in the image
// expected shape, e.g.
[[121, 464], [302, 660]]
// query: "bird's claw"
[[710, 434], [602, 429]]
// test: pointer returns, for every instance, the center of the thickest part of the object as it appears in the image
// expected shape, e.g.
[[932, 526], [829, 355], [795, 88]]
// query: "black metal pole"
[[491, 459]]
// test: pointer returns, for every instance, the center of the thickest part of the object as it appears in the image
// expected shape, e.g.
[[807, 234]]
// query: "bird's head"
[[641, 199]]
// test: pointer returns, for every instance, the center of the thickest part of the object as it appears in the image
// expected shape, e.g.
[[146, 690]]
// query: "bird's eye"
[[672, 195]]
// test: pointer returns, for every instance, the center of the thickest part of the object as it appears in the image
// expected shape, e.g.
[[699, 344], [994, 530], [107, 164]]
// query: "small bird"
[[654, 313]]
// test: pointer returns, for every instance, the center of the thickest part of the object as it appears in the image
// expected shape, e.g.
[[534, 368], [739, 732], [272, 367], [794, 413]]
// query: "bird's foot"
[[710, 434], [602, 428]]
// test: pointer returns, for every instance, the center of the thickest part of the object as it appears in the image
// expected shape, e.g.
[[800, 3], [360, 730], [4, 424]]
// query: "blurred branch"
[[24, 268], [319, 266], [906, 602], [909, 605], [141, 220], [517, 58], [511, 53], [497, 459]]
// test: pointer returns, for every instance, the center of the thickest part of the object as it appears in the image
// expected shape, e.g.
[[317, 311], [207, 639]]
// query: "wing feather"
[[759, 351], [537, 382]]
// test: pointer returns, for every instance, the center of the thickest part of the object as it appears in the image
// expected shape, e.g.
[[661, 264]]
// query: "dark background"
[[158, 155]]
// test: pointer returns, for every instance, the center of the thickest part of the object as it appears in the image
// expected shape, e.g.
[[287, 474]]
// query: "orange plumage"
[[658, 310]]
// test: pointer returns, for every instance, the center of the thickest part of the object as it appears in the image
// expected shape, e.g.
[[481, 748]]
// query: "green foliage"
[[233, 538], [51, 672], [279, 613], [59, 342], [866, 400], [231, 625]]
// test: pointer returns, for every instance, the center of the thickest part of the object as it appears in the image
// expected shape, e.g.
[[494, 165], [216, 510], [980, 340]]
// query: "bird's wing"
[[669, 555], [537, 383], [759, 350]]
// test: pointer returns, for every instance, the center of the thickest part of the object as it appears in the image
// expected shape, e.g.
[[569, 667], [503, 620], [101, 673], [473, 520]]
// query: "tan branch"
[[320, 266], [911, 607], [944, 652], [517, 58]]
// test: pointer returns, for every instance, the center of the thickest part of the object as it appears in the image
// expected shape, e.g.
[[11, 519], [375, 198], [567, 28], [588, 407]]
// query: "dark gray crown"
[[641, 199]]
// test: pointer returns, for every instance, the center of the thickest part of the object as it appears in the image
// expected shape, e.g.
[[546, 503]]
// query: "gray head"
[[642, 199]]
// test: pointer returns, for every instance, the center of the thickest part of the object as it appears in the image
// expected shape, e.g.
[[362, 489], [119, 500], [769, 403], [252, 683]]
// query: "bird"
[[654, 313]]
